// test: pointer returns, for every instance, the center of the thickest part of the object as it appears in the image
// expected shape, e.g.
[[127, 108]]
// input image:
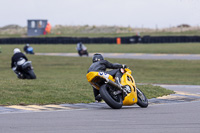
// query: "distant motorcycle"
[[25, 69], [82, 49], [83, 52], [29, 50]]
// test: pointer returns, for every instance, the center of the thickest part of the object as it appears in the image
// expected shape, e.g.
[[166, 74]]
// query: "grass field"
[[173, 48], [63, 79], [101, 31]]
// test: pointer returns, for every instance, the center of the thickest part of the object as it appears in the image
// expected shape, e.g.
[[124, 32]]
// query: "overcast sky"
[[134, 13]]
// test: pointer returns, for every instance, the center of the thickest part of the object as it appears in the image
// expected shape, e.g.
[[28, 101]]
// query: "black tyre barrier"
[[67, 40], [100, 40], [170, 39]]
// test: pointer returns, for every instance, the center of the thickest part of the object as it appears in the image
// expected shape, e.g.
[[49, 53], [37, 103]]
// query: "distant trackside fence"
[[101, 40]]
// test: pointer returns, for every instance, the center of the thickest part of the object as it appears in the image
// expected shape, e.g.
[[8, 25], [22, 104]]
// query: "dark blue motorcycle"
[[29, 50]]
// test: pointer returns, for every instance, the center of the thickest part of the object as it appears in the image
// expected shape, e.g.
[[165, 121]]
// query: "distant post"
[[118, 41], [36, 27]]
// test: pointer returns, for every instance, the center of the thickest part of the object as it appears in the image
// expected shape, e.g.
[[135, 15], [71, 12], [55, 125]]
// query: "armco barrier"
[[100, 40]]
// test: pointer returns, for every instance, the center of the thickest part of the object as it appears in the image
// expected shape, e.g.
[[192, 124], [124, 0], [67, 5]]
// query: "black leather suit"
[[101, 66], [16, 58]]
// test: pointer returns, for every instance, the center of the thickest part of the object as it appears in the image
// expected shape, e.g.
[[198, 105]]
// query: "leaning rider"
[[15, 58], [100, 65], [26, 48]]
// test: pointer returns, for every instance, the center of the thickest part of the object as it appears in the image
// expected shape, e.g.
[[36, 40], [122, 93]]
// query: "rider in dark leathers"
[[15, 58], [82, 49], [26, 47], [100, 65]]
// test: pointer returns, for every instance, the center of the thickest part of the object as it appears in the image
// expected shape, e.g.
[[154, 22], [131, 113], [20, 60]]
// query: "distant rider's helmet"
[[27, 44], [97, 57], [16, 50]]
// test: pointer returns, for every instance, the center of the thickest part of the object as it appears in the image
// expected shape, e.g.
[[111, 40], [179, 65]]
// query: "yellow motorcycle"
[[116, 95]]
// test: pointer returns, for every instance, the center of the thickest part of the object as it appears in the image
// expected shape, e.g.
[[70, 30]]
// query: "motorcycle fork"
[[117, 92]]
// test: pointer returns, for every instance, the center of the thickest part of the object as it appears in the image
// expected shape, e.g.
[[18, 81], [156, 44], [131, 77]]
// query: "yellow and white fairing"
[[94, 78], [127, 79]]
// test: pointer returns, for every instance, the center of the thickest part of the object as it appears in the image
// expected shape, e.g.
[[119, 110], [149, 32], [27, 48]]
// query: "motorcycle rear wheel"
[[114, 101], [142, 100]]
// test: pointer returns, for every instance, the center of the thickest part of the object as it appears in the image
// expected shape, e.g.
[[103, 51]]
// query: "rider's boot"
[[98, 98]]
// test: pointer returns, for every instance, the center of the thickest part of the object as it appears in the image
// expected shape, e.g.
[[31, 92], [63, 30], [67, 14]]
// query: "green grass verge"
[[178, 48], [66, 32], [63, 79], [154, 91], [59, 80], [158, 33]]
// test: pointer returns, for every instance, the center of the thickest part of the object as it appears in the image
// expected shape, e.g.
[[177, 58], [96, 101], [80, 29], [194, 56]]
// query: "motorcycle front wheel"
[[114, 101], [142, 100], [31, 74]]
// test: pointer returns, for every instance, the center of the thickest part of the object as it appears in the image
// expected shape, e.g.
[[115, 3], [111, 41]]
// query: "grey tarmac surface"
[[167, 117], [135, 56]]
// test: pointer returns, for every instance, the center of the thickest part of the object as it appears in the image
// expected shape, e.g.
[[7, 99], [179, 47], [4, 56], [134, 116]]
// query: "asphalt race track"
[[168, 114], [175, 113]]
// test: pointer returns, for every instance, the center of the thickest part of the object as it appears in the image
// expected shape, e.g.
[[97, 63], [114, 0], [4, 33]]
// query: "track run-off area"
[[177, 112], [183, 93], [134, 56]]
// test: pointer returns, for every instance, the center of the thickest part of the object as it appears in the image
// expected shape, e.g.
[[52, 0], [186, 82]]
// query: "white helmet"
[[16, 50]]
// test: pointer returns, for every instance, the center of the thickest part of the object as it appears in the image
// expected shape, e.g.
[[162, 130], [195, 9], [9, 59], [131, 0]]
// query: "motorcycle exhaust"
[[117, 86], [110, 82]]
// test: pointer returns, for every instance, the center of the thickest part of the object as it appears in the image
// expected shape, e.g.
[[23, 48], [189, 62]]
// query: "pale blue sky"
[[134, 13]]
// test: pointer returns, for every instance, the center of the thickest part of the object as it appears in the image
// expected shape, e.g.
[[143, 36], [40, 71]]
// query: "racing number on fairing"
[[104, 75]]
